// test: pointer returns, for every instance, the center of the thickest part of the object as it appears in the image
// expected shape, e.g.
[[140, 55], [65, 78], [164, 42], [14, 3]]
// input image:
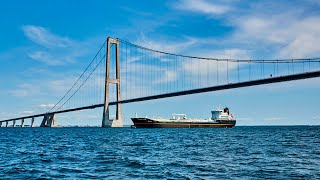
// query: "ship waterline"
[[219, 119], [148, 123]]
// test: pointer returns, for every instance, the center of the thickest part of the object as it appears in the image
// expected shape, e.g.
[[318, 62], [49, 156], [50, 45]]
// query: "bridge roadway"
[[193, 91]]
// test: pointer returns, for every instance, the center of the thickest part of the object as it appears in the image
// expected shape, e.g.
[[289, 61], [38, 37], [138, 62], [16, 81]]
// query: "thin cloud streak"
[[201, 6], [54, 50], [44, 37], [275, 118]]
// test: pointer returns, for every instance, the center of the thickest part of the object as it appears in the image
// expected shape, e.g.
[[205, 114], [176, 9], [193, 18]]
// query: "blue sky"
[[45, 45]]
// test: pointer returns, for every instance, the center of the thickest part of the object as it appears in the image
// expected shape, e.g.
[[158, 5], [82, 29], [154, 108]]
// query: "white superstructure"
[[222, 114], [216, 115]]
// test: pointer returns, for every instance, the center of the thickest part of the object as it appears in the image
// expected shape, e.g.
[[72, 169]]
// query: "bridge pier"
[[0, 124], [13, 123], [32, 122], [106, 121], [49, 120], [7, 122], [22, 122]]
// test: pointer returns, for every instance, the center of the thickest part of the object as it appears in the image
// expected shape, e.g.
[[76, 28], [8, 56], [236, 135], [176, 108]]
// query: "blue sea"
[[279, 152]]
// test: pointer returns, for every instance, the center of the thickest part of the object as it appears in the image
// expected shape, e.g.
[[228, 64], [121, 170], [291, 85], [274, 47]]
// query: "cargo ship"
[[219, 119]]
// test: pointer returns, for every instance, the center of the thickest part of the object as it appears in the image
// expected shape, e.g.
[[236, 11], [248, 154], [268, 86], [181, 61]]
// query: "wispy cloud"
[[47, 58], [275, 118], [166, 46], [60, 86], [26, 112], [167, 77], [295, 36], [23, 90], [45, 106], [47, 87], [7, 115], [44, 37], [52, 49], [316, 118], [264, 28], [201, 6], [227, 53], [245, 118]]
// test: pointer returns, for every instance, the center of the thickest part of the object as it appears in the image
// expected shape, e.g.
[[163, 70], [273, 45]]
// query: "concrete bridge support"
[[0, 124], [22, 122], [7, 122], [13, 123], [49, 120], [32, 122], [106, 121]]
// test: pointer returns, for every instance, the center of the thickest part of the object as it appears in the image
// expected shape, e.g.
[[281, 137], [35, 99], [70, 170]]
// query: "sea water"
[[238, 153]]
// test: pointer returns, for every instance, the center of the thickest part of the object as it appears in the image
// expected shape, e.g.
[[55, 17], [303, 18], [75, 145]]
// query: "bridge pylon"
[[32, 122], [49, 120], [106, 121]]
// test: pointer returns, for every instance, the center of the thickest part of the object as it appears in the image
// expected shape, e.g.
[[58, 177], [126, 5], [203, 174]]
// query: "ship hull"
[[149, 123]]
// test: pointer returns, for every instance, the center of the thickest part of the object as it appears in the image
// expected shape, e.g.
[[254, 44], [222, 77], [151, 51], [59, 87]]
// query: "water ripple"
[[97, 153]]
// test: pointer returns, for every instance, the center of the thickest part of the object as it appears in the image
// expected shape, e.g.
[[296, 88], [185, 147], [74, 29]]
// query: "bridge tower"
[[32, 122], [106, 121], [49, 120]]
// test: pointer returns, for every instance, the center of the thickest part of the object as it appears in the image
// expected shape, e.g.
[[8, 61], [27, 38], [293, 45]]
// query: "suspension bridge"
[[122, 72]]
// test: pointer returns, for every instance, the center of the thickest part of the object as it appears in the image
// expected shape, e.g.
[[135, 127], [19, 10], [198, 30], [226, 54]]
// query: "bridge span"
[[148, 74]]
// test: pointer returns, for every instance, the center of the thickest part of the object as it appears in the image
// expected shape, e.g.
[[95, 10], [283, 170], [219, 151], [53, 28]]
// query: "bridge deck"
[[194, 91]]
